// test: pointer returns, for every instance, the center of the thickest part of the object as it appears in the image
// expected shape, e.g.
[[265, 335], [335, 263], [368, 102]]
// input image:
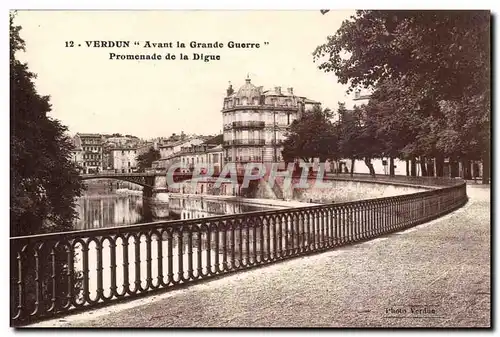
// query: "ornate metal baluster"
[[217, 248], [279, 233], [125, 264], [38, 281], [253, 242], [261, 240], [53, 280], [180, 254], [190, 252], [149, 260], [170, 256], [20, 288], [233, 262], [336, 224], [345, 224], [85, 271], [268, 239], [240, 243], [70, 256], [247, 242], [209, 251], [99, 269], [199, 248], [112, 254], [224, 246], [137, 262], [159, 261], [323, 225]]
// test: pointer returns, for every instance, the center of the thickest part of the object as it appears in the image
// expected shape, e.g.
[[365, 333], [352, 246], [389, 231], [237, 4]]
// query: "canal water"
[[103, 206]]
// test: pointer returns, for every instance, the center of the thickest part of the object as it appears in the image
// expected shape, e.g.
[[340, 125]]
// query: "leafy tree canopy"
[[311, 136], [44, 181], [146, 159]]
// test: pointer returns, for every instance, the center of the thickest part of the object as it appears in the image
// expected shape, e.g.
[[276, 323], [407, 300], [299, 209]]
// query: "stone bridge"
[[148, 180]]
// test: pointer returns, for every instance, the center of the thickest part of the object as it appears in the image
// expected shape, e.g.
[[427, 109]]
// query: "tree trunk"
[[369, 164], [430, 167], [423, 166], [352, 166], [453, 168], [486, 167], [439, 166], [467, 174], [407, 167], [413, 167], [391, 167]]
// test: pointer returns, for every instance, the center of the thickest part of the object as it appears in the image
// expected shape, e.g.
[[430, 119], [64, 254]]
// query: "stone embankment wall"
[[343, 191], [332, 191]]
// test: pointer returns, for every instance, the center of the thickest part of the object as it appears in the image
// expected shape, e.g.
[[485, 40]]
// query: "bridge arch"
[[146, 181]]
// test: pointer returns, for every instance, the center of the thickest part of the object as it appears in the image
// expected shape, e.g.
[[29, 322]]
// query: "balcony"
[[245, 125], [244, 142], [244, 159], [249, 125]]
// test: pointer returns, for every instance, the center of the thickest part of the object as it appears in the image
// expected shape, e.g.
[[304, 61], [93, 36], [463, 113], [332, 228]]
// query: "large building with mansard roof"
[[255, 122]]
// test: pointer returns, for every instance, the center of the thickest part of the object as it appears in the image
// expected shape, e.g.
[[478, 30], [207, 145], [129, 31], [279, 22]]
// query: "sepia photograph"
[[250, 168]]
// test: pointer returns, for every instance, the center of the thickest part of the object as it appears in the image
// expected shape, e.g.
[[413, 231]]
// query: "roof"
[[248, 90], [89, 135], [123, 149], [215, 149], [179, 142], [307, 100]]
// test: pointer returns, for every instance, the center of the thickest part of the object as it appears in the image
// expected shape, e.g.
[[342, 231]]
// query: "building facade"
[[124, 159], [169, 151], [91, 146], [255, 122], [77, 157]]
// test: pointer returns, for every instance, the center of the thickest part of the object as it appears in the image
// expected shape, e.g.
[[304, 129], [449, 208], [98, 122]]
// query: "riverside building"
[[255, 122]]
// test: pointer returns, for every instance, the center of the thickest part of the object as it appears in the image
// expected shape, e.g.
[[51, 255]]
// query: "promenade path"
[[443, 265]]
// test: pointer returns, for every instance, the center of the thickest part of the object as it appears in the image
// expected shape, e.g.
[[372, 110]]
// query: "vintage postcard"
[[229, 169]]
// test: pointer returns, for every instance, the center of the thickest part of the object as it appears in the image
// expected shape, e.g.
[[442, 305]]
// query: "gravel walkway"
[[441, 268]]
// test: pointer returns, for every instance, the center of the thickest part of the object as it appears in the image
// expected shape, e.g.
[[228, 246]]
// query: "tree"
[[357, 136], [44, 181], [434, 57], [44, 184], [311, 136], [146, 159]]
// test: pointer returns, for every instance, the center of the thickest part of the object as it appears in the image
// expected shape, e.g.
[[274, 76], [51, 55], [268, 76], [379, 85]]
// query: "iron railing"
[[248, 124], [232, 142], [53, 274]]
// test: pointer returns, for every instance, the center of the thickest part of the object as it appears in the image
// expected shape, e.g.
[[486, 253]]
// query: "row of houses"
[[94, 153], [189, 153]]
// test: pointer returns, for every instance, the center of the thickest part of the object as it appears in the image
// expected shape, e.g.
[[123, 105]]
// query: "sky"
[[91, 93]]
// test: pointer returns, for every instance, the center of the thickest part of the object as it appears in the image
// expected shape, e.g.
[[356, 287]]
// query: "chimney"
[[278, 90], [357, 94], [230, 90], [290, 91]]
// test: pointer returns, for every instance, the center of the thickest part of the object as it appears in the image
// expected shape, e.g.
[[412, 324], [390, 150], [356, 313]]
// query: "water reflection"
[[113, 209]]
